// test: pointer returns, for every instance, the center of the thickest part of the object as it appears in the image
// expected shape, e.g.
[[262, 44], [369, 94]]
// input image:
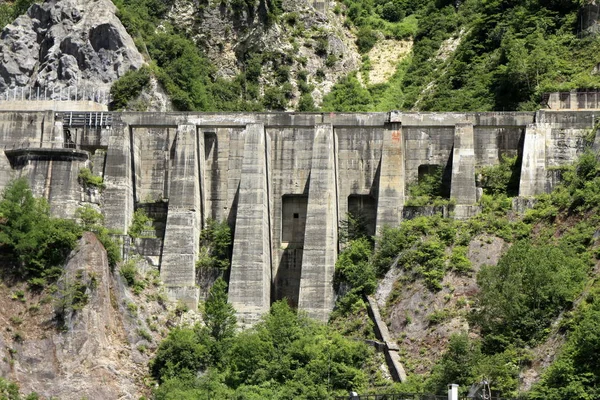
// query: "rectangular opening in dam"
[[434, 180], [293, 220], [363, 210], [293, 223]]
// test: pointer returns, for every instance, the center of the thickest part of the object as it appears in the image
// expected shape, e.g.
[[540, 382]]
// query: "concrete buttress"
[[390, 197], [533, 167], [118, 194], [184, 219], [462, 186], [321, 234], [251, 265]]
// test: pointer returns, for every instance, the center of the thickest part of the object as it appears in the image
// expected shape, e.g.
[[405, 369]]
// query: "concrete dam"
[[284, 182]]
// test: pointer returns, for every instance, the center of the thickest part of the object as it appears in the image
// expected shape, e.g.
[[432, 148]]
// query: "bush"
[[87, 179], [353, 267], [529, 286], [366, 39], [141, 222], [38, 242], [128, 87]]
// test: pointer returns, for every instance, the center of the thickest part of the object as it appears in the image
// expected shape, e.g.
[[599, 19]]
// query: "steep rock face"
[[63, 43], [91, 358], [308, 39]]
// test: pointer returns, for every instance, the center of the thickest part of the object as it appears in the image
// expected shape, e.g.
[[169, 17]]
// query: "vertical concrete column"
[[390, 197], [48, 128], [321, 233], [202, 177], [462, 185], [250, 279], [118, 194], [533, 167], [6, 171], [182, 231]]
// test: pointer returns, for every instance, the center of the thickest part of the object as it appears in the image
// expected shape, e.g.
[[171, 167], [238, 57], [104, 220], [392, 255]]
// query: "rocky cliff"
[[67, 43], [73, 343]]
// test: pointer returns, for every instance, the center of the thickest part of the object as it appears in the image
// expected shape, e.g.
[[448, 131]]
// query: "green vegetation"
[[574, 375], [128, 87], [215, 246], [507, 54], [87, 179], [286, 355], [140, 223], [129, 272], [528, 288], [92, 220], [37, 242], [10, 391], [10, 11], [428, 190]]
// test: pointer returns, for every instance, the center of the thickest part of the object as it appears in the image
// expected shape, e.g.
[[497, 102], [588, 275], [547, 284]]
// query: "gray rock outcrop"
[[66, 43], [91, 358]]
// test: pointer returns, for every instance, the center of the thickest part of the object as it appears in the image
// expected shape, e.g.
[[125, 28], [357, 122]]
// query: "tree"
[[219, 315], [529, 286], [180, 355], [37, 241]]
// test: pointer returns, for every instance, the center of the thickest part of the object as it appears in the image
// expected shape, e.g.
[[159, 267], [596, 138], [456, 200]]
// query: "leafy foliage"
[[528, 288], [502, 178], [39, 242], [93, 221], [88, 179], [128, 87], [10, 391], [286, 355], [215, 246], [141, 222], [575, 373]]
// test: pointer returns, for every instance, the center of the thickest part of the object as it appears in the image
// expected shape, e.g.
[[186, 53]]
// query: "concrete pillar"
[[533, 167], [118, 194], [6, 171], [463, 188], [390, 197], [453, 391], [321, 233], [250, 279], [182, 231]]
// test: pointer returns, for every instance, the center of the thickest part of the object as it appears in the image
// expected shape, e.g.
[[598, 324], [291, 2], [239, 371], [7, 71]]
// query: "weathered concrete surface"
[[321, 237], [320, 167], [250, 279], [463, 187], [463, 166], [118, 194], [390, 198], [182, 234], [392, 357], [533, 167]]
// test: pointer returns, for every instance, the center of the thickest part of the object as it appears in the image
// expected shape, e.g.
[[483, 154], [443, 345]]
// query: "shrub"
[[366, 39], [128, 87], [140, 223], [39, 242], [87, 179], [529, 286]]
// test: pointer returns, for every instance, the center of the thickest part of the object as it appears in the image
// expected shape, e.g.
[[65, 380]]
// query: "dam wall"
[[284, 182]]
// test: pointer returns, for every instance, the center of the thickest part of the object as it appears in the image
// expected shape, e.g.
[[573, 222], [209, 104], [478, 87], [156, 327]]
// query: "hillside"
[[510, 296]]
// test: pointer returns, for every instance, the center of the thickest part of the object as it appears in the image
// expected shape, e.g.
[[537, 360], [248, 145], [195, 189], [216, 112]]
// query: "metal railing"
[[70, 93], [89, 119]]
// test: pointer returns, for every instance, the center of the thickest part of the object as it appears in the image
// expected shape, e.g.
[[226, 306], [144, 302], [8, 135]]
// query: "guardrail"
[[70, 93]]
